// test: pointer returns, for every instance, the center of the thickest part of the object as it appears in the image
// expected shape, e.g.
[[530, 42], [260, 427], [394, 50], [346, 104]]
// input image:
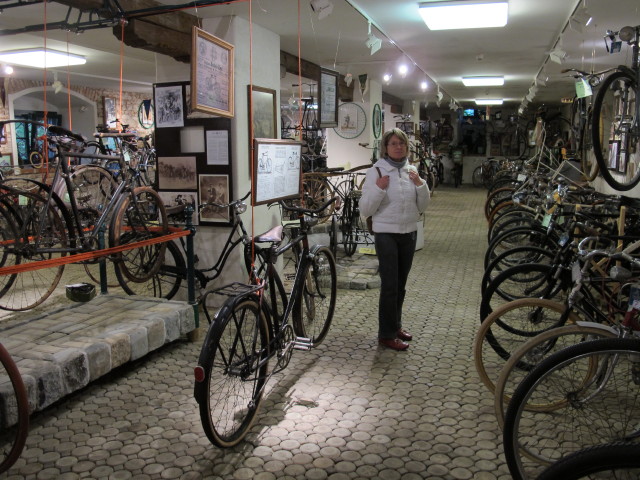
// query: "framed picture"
[[6, 162], [263, 114], [110, 116], [177, 173], [328, 98], [277, 170], [211, 74], [172, 199], [168, 103], [214, 189]]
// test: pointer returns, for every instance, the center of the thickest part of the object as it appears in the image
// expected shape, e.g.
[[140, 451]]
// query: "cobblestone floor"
[[346, 410]]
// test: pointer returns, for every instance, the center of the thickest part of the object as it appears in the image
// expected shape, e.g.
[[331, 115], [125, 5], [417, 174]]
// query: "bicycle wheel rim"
[[612, 111], [232, 399]]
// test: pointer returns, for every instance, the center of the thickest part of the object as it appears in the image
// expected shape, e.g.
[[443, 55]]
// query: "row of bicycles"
[[559, 340], [84, 198]]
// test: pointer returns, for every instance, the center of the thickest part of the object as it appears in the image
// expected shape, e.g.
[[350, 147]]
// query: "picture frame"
[[168, 102], [6, 162], [328, 98], [110, 116], [213, 189], [177, 173], [277, 170], [211, 74], [262, 111]]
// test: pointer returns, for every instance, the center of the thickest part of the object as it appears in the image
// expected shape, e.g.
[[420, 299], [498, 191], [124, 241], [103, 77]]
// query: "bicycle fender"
[[599, 326]]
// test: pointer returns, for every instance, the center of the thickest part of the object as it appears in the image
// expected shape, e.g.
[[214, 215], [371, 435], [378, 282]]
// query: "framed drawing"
[[177, 173], [211, 74], [263, 114], [277, 171], [328, 98], [110, 117], [352, 120], [6, 162], [214, 189], [168, 104]]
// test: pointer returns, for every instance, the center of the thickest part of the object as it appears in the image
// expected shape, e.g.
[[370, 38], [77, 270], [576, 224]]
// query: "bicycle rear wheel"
[[313, 310], [139, 216], [14, 414], [616, 132], [348, 225], [234, 360]]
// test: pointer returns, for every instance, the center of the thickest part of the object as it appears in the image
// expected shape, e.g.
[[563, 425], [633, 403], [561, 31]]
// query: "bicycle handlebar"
[[307, 211], [225, 205]]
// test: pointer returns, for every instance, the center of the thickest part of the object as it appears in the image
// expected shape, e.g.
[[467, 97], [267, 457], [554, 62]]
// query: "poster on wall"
[[211, 74], [214, 189], [177, 173], [217, 147], [277, 171], [169, 106], [328, 98]]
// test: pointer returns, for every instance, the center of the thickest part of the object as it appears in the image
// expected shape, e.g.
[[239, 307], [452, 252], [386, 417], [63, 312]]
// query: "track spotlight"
[[373, 42], [322, 7]]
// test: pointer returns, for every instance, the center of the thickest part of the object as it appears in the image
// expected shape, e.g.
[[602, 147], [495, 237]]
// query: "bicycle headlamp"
[[241, 208]]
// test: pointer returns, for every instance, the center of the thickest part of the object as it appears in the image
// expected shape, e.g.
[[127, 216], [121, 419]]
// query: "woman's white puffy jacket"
[[398, 208]]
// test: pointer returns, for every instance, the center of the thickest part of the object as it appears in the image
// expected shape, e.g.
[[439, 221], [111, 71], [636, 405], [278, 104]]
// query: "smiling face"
[[397, 149]]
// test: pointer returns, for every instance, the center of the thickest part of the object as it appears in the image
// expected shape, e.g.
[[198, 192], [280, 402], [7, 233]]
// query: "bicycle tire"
[[33, 242], [333, 236], [317, 191], [616, 99], [476, 177], [517, 217], [619, 460], [496, 196], [14, 427], [588, 162], [313, 310], [511, 258], [533, 235], [235, 361], [347, 226], [532, 352], [593, 412], [148, 169], [164, 284], [524, 319], [140, 216]]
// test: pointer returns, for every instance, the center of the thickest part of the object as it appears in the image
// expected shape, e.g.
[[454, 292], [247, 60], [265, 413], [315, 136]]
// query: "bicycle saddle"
[[274, 235]]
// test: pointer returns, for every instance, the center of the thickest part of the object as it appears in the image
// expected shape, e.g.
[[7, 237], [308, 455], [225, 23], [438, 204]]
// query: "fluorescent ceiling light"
[[448, 15], [482, 81], [489, 101], [37, 58]]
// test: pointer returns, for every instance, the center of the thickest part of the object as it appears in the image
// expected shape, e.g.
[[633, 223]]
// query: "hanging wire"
[[69, 88], [119, 119]]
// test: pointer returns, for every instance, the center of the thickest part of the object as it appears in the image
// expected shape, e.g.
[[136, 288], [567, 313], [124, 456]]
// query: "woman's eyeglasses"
[[396, 144]]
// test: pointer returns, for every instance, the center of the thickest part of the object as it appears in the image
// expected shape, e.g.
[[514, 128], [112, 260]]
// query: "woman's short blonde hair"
[[386, 136]]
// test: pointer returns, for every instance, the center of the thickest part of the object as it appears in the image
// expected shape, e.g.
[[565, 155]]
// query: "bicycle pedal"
[[302, 343]]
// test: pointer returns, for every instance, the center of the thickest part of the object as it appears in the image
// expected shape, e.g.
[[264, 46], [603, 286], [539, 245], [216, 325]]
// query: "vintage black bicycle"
[[260, 322]]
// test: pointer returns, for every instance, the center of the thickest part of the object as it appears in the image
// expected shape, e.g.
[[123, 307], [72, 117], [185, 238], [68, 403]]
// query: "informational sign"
[[276, 171]]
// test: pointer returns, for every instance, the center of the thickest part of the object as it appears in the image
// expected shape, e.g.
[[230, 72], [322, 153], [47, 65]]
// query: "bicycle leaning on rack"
[[260, 322]]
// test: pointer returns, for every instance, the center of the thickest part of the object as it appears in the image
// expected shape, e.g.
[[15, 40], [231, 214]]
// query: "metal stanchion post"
[[102, 262], [191, 284]]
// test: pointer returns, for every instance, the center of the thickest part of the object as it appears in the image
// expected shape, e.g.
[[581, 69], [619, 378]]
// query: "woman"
[[394, 196]]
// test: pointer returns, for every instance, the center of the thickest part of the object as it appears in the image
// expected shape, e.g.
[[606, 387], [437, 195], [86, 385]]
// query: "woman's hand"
[[415, 178], [383, 182]]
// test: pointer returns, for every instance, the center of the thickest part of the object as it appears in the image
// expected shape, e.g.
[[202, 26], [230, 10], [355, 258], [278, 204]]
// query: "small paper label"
[[583, 89]]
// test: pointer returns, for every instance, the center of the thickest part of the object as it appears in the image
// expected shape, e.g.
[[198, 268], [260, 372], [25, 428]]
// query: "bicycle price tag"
[[522, 177], [583, 89], [546, 220], [22, 200]]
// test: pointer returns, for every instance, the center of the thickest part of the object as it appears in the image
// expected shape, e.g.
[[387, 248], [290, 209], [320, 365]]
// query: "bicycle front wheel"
[[596, 384], [313, 310], [234, 358], [616, 131], [140, 216], [14, 425]]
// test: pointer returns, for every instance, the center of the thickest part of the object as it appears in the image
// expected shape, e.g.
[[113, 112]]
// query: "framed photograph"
[[110, 116], [177, 173], [6, 162], [211, 74], [277, 170], [172, 199], [263, 114], [214, 189], [168, 103], [328, 98]]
